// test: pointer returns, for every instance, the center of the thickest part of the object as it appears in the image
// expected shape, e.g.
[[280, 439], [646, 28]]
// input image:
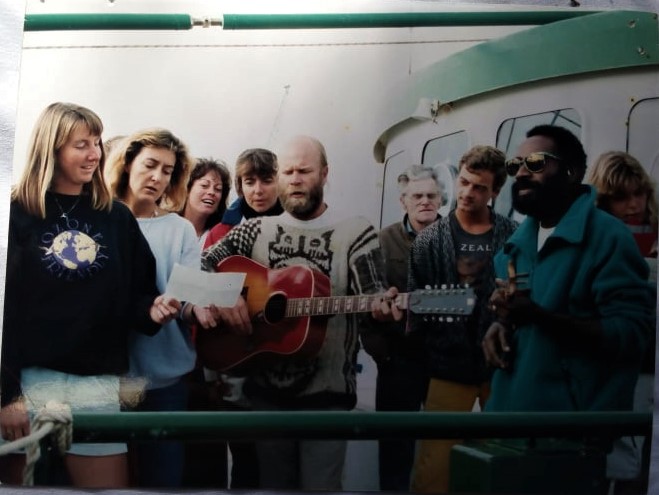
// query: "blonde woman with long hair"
[[79, 276]]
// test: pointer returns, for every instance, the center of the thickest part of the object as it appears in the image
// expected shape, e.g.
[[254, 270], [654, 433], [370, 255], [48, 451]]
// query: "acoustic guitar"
[[289, 308]]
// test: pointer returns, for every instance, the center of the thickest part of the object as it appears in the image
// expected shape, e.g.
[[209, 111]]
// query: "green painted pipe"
[[79, 22], [74, 22], [395, 20], [355, 425]]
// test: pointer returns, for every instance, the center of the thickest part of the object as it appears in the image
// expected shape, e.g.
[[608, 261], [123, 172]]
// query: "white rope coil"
[[58, 417], [54, 418]]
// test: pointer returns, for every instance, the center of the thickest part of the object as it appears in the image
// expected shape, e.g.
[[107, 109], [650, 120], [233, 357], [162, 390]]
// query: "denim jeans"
[[160, 463]]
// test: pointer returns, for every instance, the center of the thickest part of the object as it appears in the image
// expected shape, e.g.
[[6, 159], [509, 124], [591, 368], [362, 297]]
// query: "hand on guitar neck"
[[385, 308]]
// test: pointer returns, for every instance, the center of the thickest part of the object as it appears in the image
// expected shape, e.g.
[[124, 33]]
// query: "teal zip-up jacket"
[[589, 267]]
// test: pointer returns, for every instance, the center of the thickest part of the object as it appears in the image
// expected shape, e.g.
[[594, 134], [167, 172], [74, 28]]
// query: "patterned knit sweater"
[[348, 252], [454, 349]]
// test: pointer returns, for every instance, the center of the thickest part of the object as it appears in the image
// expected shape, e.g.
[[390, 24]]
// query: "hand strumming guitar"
[[235, 319]]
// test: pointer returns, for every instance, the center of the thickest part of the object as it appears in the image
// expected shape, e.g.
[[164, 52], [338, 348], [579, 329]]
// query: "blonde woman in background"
[[625, 190]]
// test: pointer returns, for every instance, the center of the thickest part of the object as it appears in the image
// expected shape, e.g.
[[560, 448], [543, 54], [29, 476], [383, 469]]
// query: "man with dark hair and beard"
[[575, 311], [346, 249]]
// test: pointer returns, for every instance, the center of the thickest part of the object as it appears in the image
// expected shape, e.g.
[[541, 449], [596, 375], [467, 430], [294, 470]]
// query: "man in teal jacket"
[[576, 310]]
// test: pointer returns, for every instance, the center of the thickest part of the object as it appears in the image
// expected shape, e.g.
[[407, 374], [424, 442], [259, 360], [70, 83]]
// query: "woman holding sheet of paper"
[[149, 172]]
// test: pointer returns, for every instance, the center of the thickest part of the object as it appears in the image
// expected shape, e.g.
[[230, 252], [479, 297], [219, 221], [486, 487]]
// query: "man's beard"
[[303, 208], [540, 200]]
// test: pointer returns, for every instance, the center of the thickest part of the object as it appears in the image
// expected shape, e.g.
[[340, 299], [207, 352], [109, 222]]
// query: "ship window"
[[641, 137], [391, 211], [443, 154]]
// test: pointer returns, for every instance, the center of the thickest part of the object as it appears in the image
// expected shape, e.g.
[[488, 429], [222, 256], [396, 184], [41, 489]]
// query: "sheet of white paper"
[[204, 288]]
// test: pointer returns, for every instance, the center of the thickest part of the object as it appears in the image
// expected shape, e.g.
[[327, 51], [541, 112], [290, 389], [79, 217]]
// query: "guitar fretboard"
[[319, 306]]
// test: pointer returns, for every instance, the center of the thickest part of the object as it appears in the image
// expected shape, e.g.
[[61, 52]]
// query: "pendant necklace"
[[65, 214]]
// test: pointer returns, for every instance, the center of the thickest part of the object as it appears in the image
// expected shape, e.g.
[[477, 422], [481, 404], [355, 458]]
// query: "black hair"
[[201, 168], [566, 145]]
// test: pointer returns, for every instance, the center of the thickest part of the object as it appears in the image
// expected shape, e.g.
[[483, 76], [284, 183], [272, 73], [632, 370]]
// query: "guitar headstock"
[[444, 302]]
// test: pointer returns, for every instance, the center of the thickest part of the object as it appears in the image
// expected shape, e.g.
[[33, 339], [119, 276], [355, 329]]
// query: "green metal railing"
[[356, 425], [79, 22], [73, 22], [395, 20]]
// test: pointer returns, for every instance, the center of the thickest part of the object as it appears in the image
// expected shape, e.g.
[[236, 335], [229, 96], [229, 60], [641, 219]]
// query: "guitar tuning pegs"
[[428, 287]]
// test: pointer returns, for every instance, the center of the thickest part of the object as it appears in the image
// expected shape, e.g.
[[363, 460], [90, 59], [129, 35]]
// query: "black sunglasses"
[[534, 163]]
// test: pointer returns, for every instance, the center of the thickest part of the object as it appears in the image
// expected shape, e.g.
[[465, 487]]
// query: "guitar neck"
[[333, 305]]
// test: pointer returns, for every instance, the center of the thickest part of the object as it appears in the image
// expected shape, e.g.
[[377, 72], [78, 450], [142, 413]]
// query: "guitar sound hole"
[[275, 308]]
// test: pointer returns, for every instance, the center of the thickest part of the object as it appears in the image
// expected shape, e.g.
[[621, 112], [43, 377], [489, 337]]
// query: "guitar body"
[[274, 335], [280, 302]]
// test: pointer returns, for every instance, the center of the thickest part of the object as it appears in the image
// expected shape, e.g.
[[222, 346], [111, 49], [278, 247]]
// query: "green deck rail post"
[[76, 22], [90, 427]]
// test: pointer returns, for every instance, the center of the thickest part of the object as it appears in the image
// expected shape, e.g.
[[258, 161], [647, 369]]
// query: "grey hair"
[[419, 172]]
